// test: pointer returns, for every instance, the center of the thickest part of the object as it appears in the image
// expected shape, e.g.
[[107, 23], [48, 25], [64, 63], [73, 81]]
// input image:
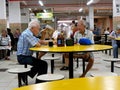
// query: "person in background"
[[27, 40], [107, 31], [96, 30], [5, 41], [74, 29], [87, 56], [11, 37], [113, 35], [16, 37]]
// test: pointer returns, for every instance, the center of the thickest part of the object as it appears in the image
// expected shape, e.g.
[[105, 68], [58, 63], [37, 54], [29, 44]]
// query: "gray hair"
[[48, 26], [118, 27], [83, 22], [33, 23]]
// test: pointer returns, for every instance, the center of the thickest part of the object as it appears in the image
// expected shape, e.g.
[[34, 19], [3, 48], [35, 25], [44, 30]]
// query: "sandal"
[[64, 68]]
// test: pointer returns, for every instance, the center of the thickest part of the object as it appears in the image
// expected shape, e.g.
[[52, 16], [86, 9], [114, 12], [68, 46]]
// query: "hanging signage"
[[44, 15]]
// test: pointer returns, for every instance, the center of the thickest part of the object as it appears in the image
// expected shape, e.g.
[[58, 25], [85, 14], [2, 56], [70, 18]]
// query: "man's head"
[[34, 26], [81, 25]]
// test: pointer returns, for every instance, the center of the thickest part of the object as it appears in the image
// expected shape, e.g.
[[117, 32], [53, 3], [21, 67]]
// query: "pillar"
[[116, 13], [14, 15], [91, 18], [3, 19], [24, 18]]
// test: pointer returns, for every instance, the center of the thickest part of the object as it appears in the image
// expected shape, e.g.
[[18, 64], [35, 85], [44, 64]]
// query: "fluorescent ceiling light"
[[41, 3], [89, 2], [81, 9], [44, 11], [30, 9]]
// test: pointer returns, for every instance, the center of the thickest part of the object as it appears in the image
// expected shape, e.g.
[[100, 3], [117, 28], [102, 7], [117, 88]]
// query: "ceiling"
[[65, 8]]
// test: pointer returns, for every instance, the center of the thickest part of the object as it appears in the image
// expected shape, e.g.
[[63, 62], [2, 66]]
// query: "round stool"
[[112, 60], [51, 57], [20, 72], [99, 73], [50, 77], [117, 65]]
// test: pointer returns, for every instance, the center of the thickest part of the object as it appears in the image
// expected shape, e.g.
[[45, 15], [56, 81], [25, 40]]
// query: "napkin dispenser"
[[69, 42]]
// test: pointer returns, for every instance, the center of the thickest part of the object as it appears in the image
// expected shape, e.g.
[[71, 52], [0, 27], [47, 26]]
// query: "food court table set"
[[93, 83], [71, 50]]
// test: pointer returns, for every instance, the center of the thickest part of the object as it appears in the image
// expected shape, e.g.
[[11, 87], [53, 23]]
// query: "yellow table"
[[71, 50], [117, 38], [90, 83]]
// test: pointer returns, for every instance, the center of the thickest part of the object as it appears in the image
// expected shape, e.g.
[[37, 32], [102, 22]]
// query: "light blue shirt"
[[26, 41], [88, 34], [115, 35]]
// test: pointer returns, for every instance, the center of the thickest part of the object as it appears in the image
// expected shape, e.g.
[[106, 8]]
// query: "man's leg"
[[39, 67], [115, 51], [66, 65], [90, 60]]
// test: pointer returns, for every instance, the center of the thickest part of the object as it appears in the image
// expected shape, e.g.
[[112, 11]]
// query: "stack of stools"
[[20, 71], [112, 60], [52, 76]]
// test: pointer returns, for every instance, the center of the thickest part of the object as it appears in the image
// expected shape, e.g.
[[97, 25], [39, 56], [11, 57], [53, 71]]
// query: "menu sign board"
[[44, 15]]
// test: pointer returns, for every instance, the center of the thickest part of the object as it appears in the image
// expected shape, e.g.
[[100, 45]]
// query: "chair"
[[99, 73], [20, 72], [50, 77], [112, 60], [22, 69]]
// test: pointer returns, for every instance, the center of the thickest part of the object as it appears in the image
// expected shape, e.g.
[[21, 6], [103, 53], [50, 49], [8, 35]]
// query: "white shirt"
[[5, 40], [55, 34]]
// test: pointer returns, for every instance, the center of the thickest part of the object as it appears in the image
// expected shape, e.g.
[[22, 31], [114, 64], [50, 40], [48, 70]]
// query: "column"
[[116, 13], [24, 18], [3, 20], [91, 18], [14, 15]]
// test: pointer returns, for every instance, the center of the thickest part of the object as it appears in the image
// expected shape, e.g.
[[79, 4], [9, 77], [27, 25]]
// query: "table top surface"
[[75, 48], [117, 38], [88, 83]]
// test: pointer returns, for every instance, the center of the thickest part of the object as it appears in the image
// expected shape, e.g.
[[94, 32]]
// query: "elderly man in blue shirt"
[[113, 35], [24, 56]]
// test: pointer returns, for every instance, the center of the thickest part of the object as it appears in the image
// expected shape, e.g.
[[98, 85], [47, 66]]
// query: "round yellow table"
[[71, 50], [90, 83], [117, 38]]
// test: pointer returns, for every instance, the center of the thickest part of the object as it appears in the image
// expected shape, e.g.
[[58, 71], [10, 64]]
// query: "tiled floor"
[[9, 81]]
